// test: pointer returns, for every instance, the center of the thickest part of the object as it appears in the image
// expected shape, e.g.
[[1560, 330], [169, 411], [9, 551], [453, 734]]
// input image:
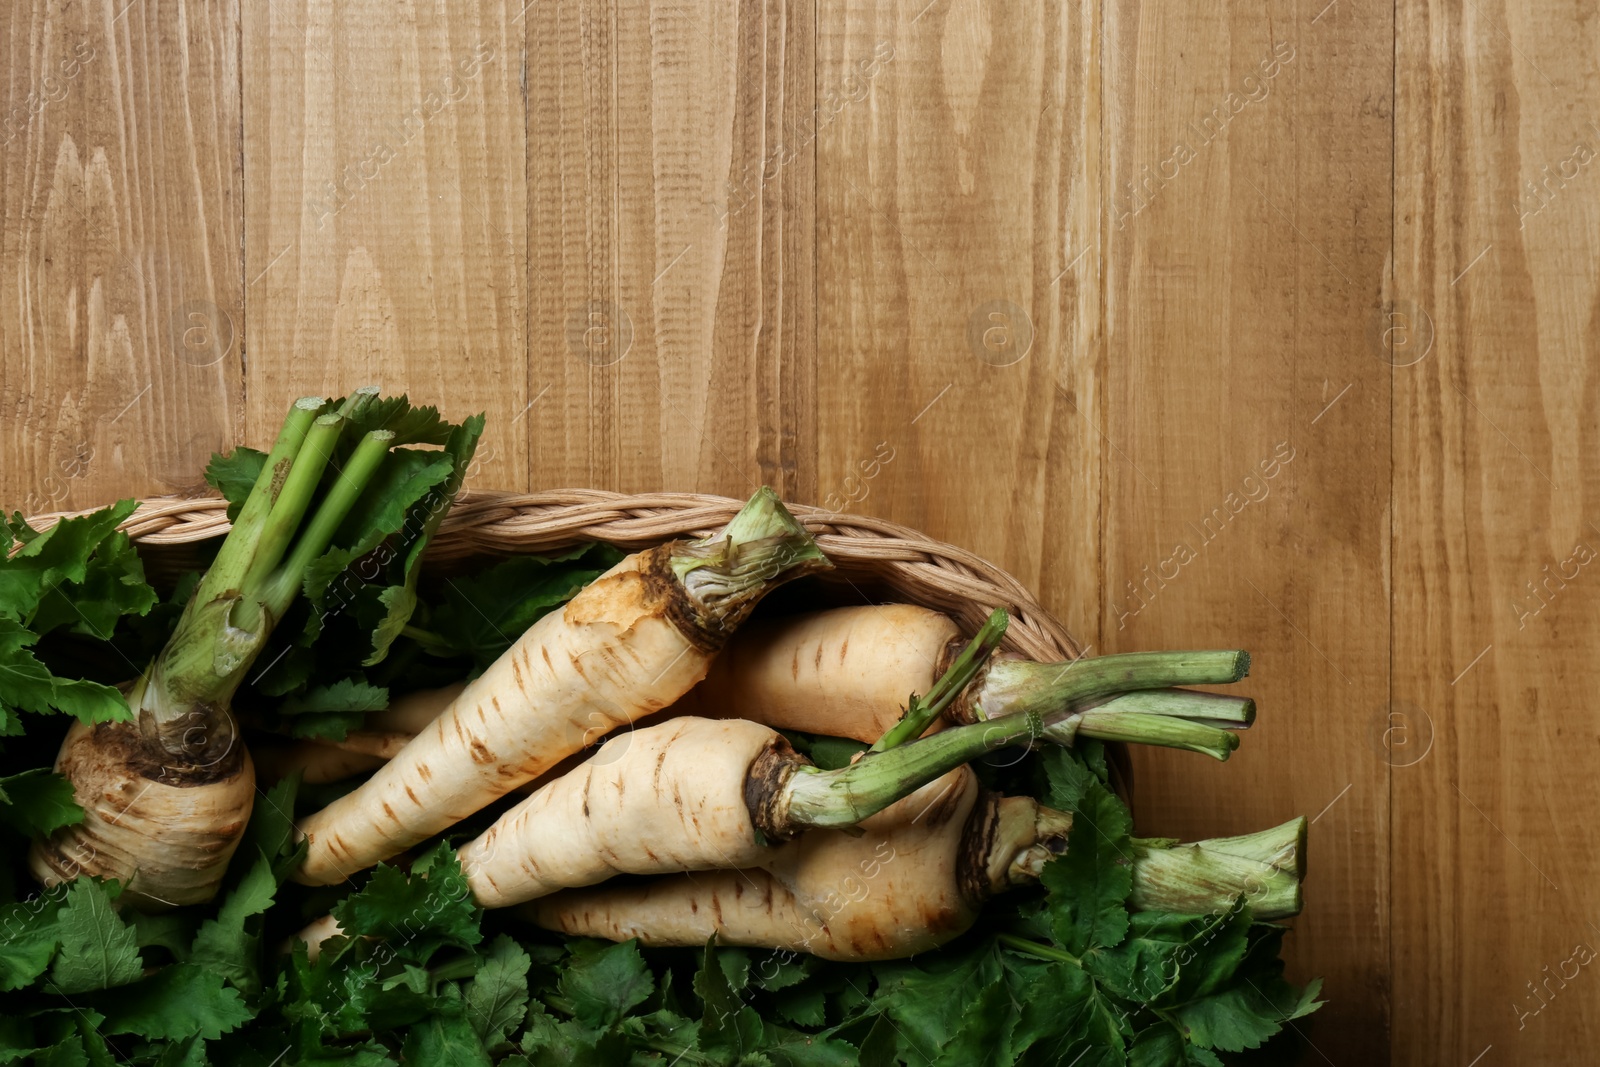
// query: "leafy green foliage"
[[79, 577], [98, 949], [38, 801], [479, 616], [1068, 973]]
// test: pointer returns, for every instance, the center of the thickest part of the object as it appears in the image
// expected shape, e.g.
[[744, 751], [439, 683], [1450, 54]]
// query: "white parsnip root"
[[627, 645]]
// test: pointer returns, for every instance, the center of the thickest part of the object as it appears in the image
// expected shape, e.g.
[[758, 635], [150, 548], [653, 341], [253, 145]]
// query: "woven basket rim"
[[925, 570]]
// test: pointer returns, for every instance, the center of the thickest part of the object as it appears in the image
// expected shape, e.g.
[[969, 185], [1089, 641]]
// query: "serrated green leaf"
[[497, 999], [98, 949], [224, 945], [415, 915], [60, 554], [37, 802], [27, 685], [176, 1002], [234, 476], [29, 936], [481, 615], [605, 984], [926, 1004], [983, 1036], [112, 586], [1089, 884], [445, 1040], [345, 695]]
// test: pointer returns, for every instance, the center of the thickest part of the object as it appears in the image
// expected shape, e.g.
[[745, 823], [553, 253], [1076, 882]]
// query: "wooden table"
[[1240, 325]]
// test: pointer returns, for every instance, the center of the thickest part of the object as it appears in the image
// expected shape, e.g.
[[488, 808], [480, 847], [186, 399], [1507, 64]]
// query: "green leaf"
[[422, 522], [482, 614], [98, 949], [177, 1002], [445, 1041], [1089, 884], [1062, 1014], [926, 1004], [1243, 1016], [418, 914], [983, 1036], [60, 554], [223, 945], [345, 695], [26, 684], [605, 984], [38, 802], [112, 586], [334, 709], [497, 999], [234, 476], [271, 829], [410, 425], [29, 935]]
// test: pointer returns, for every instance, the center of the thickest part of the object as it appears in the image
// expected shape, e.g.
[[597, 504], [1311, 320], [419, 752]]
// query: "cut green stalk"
[[279, 592], [1013, 686], [922, 711], [1265, 869], [1140, 728], [227, 570], [1218, 709], [289, 510]]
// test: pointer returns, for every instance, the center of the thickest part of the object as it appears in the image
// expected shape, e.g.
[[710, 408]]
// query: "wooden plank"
[[119, 248], [386, 220], [671, 237], [959, 344], [1249, 225], [1496, 617]]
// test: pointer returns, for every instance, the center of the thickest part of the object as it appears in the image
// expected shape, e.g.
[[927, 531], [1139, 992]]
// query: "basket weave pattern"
[[915, 568]]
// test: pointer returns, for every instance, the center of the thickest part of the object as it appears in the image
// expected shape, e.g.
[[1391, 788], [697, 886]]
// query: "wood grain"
[[1247, 483], [958, 295], [120, 266], [911, 258], [385, 222], [672, 237], [1495, 481]]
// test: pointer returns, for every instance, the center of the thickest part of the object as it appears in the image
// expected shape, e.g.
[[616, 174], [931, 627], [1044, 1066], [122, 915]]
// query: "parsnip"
[[167, 795], [629, 644], [695, 794], [915, 878]]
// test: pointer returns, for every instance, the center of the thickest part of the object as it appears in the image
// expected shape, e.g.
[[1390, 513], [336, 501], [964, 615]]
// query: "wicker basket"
[[874, 560]]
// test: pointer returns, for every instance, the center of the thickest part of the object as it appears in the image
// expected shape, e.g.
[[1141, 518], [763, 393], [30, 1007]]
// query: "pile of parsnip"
[[319, 804]]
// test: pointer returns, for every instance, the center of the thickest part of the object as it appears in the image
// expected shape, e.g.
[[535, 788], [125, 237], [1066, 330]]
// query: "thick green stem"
[[1140, 728], [1218, 709], [1265, 869], [1015, 685], [299, 489], [228, 569], [845, 796], [725, 575], [284, 585], [922, 711]]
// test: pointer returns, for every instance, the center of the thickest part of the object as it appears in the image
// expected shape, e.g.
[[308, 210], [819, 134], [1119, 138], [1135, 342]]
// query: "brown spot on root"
[[764, 785], [123, 744], [411, 794], [665, 595], [844, 648], [423, 772], [977, 839], [516, 673], [480, 752]]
